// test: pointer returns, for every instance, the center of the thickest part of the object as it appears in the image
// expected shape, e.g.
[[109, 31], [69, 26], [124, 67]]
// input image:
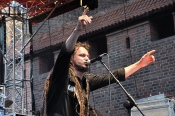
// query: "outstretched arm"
[[83, 20], [146, 59]]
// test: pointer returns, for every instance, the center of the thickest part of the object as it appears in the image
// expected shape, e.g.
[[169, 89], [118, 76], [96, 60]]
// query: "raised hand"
[[83, 20]]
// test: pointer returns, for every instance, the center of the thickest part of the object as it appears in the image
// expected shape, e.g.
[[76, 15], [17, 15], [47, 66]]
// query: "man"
[[67, 87]]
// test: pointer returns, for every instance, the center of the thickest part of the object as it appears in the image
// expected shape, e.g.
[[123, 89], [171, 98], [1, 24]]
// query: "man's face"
[[79, 59]]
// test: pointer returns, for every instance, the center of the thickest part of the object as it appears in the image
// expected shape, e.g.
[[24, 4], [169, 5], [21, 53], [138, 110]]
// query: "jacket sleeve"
[[96, 82]]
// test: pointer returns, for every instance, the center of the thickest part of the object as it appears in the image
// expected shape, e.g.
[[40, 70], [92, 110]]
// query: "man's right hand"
[[83, 20]]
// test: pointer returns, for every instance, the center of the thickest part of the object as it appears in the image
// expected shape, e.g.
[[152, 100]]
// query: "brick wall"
[[151, 80], [63, 19], [27, 89], [158, 77], [39, 81]]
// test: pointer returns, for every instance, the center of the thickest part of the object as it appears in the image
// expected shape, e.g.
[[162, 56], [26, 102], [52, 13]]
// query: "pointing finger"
[[151, 52], [85, 11]]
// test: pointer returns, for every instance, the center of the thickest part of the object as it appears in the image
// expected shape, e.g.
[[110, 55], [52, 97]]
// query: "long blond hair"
[[46, 88], [81, 98], [78, 88]]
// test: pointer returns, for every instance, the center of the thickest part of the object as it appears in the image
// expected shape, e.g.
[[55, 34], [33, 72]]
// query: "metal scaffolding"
[[14, 74], [14, 64]]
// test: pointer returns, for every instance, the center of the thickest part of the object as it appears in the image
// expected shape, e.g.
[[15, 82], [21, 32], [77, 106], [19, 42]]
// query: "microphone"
[[96, 59]]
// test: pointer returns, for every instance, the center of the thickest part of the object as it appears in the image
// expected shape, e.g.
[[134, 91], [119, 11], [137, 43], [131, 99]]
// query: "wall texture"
[[158, 77]]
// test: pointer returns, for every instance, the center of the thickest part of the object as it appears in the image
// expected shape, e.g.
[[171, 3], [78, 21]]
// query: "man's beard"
[[81, 68]]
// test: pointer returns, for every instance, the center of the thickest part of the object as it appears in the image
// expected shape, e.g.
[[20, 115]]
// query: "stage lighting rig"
[[13, 10]]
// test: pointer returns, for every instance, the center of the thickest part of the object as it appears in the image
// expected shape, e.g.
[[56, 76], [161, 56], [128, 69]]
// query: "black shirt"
[[60, 97]]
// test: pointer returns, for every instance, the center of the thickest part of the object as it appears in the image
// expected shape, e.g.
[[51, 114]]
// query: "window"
[[98, 46], [162, 27], [46, 62]]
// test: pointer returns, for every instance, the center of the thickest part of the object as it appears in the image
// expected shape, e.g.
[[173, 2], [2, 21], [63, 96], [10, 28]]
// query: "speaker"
[[128, 42]]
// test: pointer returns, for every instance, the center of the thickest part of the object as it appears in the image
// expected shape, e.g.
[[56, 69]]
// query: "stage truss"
[[14, 64], [17, 18]]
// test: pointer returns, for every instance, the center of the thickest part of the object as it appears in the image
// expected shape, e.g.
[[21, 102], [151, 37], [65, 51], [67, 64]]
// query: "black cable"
[[40, 27], [128, 45], [109, 88], [49, 35], [63, 24], [31, 69]]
